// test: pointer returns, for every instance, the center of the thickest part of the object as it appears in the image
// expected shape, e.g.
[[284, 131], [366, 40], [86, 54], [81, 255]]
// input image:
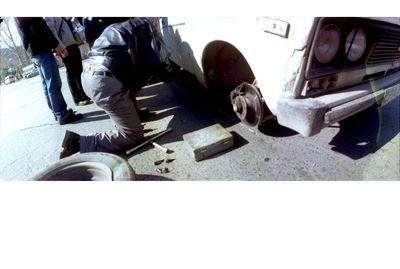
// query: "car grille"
[[387, 48]]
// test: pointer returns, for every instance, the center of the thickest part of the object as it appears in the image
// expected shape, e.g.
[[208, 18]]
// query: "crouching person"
[[120, 63]]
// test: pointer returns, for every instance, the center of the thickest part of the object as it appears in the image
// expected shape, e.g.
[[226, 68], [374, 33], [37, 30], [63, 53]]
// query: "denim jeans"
[[47, 67]]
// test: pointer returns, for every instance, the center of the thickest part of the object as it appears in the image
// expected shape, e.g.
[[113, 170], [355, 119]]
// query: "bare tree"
[[8, 39]]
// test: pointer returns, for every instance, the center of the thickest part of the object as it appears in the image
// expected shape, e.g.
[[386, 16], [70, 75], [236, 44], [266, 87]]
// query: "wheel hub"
[[248, 104]]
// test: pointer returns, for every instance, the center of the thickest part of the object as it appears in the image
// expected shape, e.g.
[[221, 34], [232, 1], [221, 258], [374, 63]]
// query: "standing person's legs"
[[108, 93], [50, 76], [44, 86], [78, 72], [73, 64]]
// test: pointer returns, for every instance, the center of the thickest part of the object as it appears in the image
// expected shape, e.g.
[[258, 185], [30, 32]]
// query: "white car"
[[29, 71], [10, 79], [308, 73]]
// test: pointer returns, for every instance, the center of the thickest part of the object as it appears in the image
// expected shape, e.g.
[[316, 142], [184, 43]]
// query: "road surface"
[[365, 147]]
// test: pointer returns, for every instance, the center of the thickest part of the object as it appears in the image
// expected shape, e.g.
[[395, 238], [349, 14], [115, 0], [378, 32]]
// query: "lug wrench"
[[168, 151], [151, 142]]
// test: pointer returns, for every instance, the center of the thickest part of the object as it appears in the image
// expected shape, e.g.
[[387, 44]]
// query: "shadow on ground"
[[367, 131], [147, 177], [94, 116], [273, 128], [192, 107], [187, 103]]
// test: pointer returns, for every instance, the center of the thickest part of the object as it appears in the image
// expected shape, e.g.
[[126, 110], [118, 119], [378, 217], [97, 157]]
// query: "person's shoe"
[[70, 117], [70, 144], [143, 113], [69, 111]]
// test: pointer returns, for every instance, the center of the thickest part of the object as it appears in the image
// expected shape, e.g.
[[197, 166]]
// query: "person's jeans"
[[47, 67]]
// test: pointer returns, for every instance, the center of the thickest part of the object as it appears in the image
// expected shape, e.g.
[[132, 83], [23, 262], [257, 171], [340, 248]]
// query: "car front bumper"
[[309, 115]]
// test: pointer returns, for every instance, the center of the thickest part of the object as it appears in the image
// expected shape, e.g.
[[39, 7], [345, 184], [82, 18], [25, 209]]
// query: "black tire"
[[93, 166]]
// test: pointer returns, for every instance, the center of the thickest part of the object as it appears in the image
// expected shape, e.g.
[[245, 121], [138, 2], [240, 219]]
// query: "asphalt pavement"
[[365, 147]]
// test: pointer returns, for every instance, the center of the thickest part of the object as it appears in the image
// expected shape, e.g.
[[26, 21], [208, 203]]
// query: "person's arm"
[[55, 28], [24, 32], [33, 29], [42, 30], [56, 45], [94, 26]]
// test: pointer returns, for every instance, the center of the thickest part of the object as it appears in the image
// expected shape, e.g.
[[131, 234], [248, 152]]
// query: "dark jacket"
[[125, 49], [36, 35], [94, 26]]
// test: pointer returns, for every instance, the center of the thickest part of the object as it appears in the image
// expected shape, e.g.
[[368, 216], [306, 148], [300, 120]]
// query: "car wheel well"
[[227, 72], [224, 66]]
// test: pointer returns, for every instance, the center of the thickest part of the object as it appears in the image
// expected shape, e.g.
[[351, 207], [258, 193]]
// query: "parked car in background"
[[29, 71], [307, 73], [10, 79]]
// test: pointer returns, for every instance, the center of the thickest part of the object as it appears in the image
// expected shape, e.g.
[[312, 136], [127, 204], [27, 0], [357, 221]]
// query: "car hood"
[[392, 20]]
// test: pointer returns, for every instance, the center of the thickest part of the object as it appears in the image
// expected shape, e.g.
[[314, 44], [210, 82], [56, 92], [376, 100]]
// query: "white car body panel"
[[277, 62], [283, 54]]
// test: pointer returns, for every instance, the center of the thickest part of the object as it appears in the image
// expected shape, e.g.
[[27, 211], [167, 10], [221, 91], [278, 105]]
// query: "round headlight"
[[356, 42], [327, 44]]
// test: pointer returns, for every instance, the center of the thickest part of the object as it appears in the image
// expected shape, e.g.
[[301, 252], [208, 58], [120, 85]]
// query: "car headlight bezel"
[[327, 43], [355, 44]]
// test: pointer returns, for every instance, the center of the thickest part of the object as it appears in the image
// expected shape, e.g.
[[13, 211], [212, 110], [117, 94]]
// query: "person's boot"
[[143, 113], [69, 111], [70, 144], [70, 117]]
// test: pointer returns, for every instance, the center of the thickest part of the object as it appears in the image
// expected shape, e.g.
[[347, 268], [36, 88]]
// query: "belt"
[[102, 73], [95, 53]]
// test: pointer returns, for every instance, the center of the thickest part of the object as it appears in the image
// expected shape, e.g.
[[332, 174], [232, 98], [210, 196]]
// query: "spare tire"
[[93, 166]]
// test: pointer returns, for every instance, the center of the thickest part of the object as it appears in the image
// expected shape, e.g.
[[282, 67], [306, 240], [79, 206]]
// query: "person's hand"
[[64, 53], [61, 52]]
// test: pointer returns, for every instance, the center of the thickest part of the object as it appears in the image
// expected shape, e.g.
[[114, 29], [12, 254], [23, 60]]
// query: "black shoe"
[[143, 113], [70, 144], [69, 118], [69, 111]]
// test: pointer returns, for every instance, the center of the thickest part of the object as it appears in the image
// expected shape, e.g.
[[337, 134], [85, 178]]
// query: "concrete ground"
[[365, 147]]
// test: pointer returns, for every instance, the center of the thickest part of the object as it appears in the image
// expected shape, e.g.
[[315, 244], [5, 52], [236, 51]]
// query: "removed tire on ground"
[[94, 166]]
